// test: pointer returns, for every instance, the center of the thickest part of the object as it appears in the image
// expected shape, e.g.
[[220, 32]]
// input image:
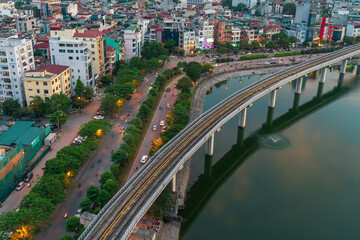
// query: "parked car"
[[162, 123], [168, 105], [78, 213], [154, 128], [28, 177], [144, 159], [20, 186], [168, 89], [99, 117]]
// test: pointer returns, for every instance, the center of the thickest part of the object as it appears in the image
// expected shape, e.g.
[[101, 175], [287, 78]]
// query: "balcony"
[[2, 53], [6, 74], [3, 60]]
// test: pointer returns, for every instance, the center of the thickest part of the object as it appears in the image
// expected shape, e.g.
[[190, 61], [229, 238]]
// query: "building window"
[[46, 91], [70, 58], [45, 83], [30, 89], [37, 83], [77, 58], [92, 45], [38, 90], [62, 50]]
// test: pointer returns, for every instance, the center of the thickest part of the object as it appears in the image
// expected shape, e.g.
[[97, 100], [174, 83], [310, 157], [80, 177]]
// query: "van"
[[20, 186]]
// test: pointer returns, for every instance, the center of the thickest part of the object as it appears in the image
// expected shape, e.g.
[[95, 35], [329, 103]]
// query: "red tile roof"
[[53, 68], [89, 34], [109, 49]]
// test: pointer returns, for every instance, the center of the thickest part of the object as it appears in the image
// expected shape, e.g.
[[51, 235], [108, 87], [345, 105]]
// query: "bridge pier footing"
[[209, 148], [272, 99], [298, 87], [357, 71], [296, 101], [341, 79], [323, 74], [242, 118], [343, 66]]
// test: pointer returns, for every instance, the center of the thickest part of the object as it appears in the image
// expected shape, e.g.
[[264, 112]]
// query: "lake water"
[[298, 178]]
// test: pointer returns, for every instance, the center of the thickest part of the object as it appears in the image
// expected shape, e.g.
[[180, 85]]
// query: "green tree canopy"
[[79, 88], [111, 186], [119, 156], [58, 117], [106, 175], [121, 90], [109, 104], [103, 198], [85, 204], [38, 106], [58, 102], [10, 106], [92, 193], [289, 9], [153, 49], [193, 70], [73, 224]]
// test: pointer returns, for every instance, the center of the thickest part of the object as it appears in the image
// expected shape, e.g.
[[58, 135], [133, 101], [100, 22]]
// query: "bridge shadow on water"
[[216, 175]]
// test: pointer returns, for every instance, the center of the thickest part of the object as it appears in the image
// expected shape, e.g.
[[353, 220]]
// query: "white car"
[[99, 117], [154, 128], [78, 213], [168, 105], [20, 186], [144, 159], [162, 123]]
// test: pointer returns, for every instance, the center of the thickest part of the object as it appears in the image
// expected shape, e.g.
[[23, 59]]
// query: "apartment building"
[[189, 40], [204, 30], [222, 31], [46, 81], [353, 29], [24, 23], [16, 57], [110, 59], [132, 38], [95, 42], [173, 29], [76, 55]]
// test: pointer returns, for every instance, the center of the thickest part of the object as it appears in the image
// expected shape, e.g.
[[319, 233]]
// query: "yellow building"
[[46, 81]]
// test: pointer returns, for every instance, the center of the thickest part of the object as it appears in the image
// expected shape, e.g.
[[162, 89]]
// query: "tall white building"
[[132, 38], [76, 55], [16, 57], [204, 30]]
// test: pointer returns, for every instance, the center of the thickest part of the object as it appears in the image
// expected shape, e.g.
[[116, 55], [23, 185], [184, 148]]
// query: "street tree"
[[119, 156], [38, 106], [115, 169], [92, 193], [193, 70], [66, 236], [207, 68], [106, 80], [10, 106], [58, 102], [163, 203], [184, 84], [50, 187], [109, 104], [106, 175], [85, 204], [73, 224], [79, 88], [121, 90], [137, 122], [103, 198], [144, 112], [59, 118], [111, 186]]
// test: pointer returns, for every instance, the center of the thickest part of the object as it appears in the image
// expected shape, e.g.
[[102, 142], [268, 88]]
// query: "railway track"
[[117, 221]]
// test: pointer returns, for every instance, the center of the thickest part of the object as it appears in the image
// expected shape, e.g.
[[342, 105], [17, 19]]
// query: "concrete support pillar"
[[209, 148], [298, 87], [355, 69], [343, 66], [296, 101], [320, 90], [242, 118], [270, 116], [208, 166], [323, 74], [341, 79], [358, 71], [272, 99], [240, 136], [174, 183]]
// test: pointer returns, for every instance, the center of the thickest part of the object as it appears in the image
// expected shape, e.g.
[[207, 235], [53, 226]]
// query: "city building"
[[24, 23], [115, 42], [16, 57], [76, 55], [132, 38], [353, 29], [326, 30], [46, 81], [204, 30], [339, 33], [189, 40], [19, 146], [173, 29], [110, 59], [95, 42], [311, 24]]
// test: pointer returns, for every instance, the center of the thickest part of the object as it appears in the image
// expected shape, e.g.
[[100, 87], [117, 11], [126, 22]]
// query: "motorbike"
[[66, 215]]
